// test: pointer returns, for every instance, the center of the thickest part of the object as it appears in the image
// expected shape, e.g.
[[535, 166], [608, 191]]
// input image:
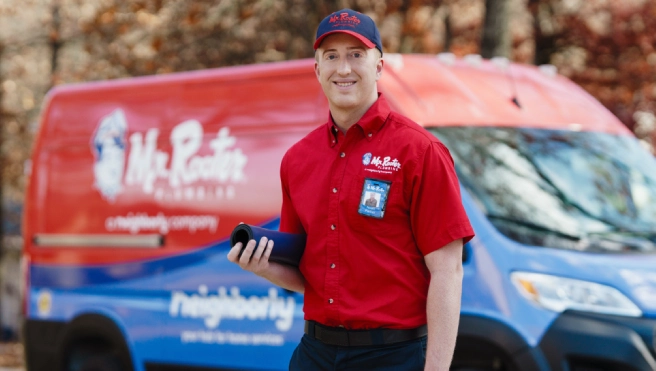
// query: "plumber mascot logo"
[[108, 146]]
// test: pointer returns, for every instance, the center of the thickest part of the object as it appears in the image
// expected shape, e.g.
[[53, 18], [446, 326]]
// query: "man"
[[376, 280]]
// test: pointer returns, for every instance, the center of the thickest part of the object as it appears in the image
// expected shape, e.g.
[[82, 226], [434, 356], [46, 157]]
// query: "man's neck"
[[345, 118]]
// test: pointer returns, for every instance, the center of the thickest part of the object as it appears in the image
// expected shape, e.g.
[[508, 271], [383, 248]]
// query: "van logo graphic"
[[108, 146], [343, 19], [192, 170], [226, 304], [366, 159]]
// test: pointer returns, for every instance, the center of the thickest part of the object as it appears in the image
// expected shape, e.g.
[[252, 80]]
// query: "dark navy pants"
[[311, 354]]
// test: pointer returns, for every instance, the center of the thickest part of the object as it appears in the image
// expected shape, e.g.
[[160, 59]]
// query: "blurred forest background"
[[607, 46]]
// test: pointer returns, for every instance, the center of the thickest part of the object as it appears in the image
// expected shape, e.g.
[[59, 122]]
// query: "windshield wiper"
[[610, 241], [623, 240], [534, 226]]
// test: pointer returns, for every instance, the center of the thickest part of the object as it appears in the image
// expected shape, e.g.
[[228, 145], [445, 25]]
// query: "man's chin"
[[344, 104]]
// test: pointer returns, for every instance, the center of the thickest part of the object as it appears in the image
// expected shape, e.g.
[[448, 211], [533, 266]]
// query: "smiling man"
[[382, 280]]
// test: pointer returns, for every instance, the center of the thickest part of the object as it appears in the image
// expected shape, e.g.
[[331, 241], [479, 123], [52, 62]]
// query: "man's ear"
[[316, 70], [379, 68]]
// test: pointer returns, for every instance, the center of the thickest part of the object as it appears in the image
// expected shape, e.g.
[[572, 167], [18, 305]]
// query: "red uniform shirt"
[[362, 270]]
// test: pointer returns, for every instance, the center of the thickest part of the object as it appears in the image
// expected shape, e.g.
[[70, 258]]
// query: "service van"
[[136, 184]]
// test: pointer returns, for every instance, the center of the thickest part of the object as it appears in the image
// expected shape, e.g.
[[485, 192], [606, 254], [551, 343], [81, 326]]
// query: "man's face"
[[347, 71]]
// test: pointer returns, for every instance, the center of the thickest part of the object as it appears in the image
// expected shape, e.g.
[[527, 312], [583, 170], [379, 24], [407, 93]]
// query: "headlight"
[[559, 294]]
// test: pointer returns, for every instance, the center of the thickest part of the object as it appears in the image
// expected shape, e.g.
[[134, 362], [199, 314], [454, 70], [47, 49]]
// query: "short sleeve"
[[289, 220], [437, 215]]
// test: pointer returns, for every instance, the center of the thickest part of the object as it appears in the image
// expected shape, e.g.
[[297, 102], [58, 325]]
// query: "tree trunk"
[[55, 42], [3, 166], [448, 33], [2, 159], [545, 42], [496, 30]]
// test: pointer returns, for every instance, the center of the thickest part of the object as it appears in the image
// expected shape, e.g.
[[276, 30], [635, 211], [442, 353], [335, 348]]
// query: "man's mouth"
[[344, 84]]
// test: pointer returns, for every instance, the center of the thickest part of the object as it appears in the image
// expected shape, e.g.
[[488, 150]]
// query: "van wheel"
[[93, 358], [494, 363], [472, 354]]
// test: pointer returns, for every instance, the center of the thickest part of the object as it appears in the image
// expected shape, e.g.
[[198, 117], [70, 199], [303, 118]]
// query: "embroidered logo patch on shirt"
[[380, 164], [374, 198]]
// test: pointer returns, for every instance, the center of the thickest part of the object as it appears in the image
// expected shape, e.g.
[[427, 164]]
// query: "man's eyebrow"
[[347, 48]]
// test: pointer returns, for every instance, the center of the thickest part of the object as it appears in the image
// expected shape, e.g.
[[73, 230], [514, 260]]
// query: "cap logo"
[[358, 25], [343, 19]]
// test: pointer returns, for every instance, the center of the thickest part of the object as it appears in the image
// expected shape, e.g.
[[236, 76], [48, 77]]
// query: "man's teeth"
[[344, 84]]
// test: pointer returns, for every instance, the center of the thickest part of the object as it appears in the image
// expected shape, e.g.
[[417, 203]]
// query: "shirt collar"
[[371, 122]]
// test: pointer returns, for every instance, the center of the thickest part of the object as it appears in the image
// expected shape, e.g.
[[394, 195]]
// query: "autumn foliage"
[[609, 48], [606, 46]]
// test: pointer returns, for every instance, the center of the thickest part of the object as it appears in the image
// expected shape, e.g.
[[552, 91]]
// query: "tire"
[[93, 358], [473, 354]]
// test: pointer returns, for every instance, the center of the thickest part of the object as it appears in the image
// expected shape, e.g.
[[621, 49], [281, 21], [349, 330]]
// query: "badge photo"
[[374, 198]]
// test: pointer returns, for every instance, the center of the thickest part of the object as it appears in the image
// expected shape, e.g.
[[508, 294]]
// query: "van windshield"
[[563, 189]]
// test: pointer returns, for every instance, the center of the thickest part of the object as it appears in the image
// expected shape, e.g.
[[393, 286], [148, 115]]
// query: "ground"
[[11, 357]]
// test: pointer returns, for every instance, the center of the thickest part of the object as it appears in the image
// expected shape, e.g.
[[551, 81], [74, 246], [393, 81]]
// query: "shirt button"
[[330, 301], [333, 227], [369, 135], [332, 265], [334, 190], [342, 154]]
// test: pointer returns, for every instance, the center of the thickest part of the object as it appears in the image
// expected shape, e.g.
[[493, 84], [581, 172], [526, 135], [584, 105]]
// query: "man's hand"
[[256, 260], [252, 259]]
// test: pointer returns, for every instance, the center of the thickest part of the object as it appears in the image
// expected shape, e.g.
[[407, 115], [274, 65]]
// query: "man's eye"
[[331, 57], [357, 54]]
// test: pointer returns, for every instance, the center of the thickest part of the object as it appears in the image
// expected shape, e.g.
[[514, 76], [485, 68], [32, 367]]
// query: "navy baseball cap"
[[353, 23]]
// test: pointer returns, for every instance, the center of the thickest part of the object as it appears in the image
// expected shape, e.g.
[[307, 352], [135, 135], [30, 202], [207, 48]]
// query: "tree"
[[496, 33], [609, 48], [2, 162]]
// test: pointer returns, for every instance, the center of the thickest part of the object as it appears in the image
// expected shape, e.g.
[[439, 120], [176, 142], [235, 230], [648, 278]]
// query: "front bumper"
[[594, 342]]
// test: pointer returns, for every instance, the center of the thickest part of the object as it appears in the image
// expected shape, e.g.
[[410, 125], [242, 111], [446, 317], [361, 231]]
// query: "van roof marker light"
[[447, 58], [474, 60], [394, 60], [502, 63], [548, 70], [575, 126]]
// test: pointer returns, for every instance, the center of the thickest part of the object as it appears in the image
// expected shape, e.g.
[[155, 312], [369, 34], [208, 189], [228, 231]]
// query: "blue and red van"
[[136, 185]]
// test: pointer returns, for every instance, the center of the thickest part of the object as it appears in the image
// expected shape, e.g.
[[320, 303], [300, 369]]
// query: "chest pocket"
[[364, 206]]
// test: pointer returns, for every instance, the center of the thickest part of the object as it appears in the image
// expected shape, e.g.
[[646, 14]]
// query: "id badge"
[[374, 198]]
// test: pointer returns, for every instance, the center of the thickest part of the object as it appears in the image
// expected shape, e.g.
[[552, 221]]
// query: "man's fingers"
[[260, 249], [249, 257], [267, 252], [247, 253], [233, 254]]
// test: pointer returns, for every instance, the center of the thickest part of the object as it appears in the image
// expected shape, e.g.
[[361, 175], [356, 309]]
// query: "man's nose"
[[344, 67]]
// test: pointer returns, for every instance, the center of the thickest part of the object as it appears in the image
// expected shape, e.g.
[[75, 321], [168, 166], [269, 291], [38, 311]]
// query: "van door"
[[219, 315]]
